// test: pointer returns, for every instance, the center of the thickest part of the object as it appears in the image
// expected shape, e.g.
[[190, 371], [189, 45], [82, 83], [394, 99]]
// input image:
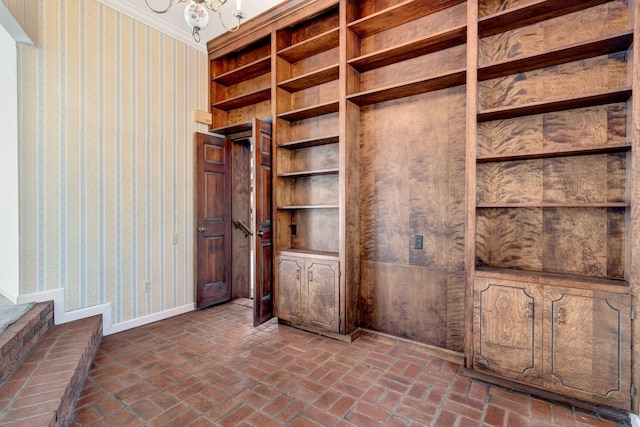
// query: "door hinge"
[[473, 292], [339, 323], [633, 390], [633, 313]]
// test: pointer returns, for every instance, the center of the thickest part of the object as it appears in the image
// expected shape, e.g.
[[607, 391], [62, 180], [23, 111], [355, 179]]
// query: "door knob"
[[202, 229], [260, 233]]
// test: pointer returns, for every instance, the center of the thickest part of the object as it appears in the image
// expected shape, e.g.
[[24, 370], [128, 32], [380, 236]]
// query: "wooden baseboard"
[[340, 337], [605, 411], [441, 353]]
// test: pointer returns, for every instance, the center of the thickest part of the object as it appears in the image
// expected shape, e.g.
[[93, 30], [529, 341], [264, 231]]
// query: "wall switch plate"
[[294, 229], [418, 240]]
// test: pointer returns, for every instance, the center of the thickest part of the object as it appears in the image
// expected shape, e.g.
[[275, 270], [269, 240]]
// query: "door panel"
[[323, 294], [262, 298], [588, 346], [213, 189], [508, 329], [289, 272]]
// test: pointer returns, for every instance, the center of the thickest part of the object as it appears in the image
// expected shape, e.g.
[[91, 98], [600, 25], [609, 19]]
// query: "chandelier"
[[197, 16]]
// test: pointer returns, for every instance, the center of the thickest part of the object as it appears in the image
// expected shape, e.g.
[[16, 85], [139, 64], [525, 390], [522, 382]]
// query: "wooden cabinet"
[[574, 342], [508, 334], [308, 291]]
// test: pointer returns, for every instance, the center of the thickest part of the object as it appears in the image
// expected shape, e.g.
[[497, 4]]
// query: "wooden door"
[[507, 329], [323, 294], [263, 285], [213, 189], [289, 278], [588, 346]]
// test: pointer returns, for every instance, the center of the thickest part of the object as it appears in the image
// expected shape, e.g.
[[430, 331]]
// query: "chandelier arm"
[[159, 11], [231, 30]]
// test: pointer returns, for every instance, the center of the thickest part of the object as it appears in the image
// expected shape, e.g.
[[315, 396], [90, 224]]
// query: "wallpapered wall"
[[106, 160], [23, 11]]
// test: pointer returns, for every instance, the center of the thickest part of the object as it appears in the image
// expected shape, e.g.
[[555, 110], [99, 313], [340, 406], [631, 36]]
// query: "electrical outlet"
[[294, 229], [174, 239], [418, 240], [147, 286]]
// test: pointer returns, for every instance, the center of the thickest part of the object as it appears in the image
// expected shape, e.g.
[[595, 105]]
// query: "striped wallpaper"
[[106, 160], [26, 13]]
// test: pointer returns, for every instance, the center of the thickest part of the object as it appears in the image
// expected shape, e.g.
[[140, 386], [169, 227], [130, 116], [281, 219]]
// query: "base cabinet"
[[570, 341], [307, 291]]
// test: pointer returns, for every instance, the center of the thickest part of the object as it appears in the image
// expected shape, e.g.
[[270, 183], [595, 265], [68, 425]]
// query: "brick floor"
[[211, 367]]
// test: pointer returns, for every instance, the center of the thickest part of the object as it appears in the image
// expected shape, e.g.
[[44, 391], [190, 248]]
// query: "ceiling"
[[173, 24]]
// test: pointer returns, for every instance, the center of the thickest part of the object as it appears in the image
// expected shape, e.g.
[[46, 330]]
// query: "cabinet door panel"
[[288, 288], [588, 342], [508, 329], [323, 294]]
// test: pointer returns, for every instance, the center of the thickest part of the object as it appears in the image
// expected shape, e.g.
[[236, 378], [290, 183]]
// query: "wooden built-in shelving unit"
[[501, 131]]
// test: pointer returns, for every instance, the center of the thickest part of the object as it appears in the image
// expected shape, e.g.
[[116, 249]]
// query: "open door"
[[262, 297], [213, 205]]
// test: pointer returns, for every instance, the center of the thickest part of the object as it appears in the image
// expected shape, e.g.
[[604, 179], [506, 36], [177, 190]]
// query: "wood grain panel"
[[515, 351], [583, 127], [417, 165], [617, 242], [317, 229], [246, 114], [321, 60], [240, 211], [592, 23], [247, 86], [416, 68], [510, 238], [455, 311], [587, 76], [308, 159], [289, 277], [510, 182], [314, 190], [418, 28], [314, 26], [319, 126], [489, 7], [575, 241], [320, 94], [588, 346], [414, 307]]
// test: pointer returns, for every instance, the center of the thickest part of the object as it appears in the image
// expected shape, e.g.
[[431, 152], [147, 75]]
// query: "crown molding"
[[154, 21]]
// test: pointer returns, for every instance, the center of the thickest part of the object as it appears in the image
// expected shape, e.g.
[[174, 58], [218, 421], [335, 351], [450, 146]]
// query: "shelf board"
[[308, 80], [555, 279], [412, 49], [311, 142], [590, 100], [575, 52], [246, 72], [301, 207], [415, 87], [231, 129], [577, 151], [309, 253], [243, 100], [553, 205], [311, 46], [530, 13], [399, 14], [331, 171], [309, 112]]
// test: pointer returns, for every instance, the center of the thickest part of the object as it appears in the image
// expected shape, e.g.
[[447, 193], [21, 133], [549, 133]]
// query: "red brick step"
[[44, 389]]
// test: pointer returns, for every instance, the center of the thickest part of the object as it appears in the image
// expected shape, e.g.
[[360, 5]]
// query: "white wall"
[[9, 237]]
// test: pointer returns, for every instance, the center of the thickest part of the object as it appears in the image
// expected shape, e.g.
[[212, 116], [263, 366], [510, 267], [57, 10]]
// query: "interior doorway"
[[233, 201]]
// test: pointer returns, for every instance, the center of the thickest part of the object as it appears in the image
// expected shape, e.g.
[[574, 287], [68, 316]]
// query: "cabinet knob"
[[559, 317], [297, 274], [310, 276], [202, 229], [529, 309]]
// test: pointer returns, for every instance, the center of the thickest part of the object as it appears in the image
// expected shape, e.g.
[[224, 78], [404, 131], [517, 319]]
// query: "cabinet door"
[[288, 288], [323, 301], [588, 345], [507, 329]]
